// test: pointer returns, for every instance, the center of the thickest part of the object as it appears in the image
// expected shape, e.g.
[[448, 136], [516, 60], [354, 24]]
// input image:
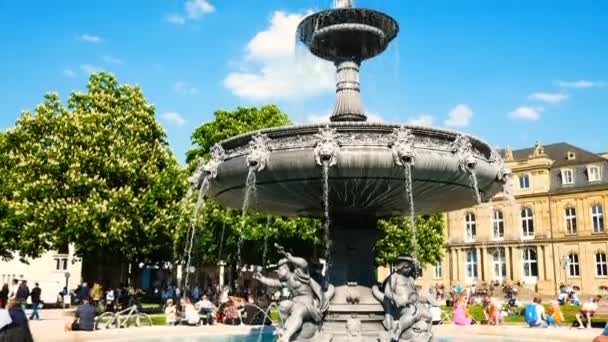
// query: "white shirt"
[[540, 313], [192, 315], [5, 318]]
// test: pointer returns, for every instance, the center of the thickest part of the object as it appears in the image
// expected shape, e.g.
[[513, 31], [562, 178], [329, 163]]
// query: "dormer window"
[[567, 176], [571, 155], [593, 172]]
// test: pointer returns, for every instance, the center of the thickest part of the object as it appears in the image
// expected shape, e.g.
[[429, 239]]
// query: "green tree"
[[97, 173], [220, 228], [398, 239]]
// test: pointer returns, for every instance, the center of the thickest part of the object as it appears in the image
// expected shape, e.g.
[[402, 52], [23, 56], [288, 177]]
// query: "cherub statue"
[[402, 308], [306, 309]]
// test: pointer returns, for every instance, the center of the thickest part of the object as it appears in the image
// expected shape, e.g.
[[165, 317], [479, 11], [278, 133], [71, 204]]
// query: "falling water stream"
[[200, 203], [326, 218], [410, 199], [250, 192], [473, 177]]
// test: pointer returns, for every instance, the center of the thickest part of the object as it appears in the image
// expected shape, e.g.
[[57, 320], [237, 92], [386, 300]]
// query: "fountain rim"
[[363, 126], [352, 9]]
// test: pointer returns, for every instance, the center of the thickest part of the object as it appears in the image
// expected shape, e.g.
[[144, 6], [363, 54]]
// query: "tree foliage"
[[258, 231], [398, 239], [97, 173]]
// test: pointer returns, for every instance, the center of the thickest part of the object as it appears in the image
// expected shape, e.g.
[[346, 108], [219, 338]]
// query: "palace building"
[[554, 233]]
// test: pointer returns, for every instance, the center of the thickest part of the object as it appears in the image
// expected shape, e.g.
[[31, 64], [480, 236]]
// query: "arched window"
[[530, 262], [597, 218], [527, 222], [499, 264], [600, 264], [573, 266], [470, 226], [498, 225], [471, 264], [570, 216]]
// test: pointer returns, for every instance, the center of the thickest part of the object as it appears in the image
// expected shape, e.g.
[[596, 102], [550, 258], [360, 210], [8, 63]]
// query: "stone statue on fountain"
[[302, 315], [406, 318]]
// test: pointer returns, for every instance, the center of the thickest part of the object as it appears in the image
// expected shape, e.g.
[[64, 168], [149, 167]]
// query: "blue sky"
[[510, 72]]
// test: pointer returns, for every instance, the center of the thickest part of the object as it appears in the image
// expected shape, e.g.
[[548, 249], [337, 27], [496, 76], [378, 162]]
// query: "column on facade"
[[508, 262], [516, 263], [480, 262], [540, 255]]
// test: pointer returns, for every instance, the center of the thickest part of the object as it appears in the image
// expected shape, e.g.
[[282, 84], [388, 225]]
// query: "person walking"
[[22, 293], [35, 295], [4, 296]]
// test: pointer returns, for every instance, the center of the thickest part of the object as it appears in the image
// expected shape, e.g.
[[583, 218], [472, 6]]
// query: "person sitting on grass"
[[587, 311], [170, 312], [534, 314], [461, 316], [494, 313], [84, 317], [191, 316], [555, 316], [604, 336]]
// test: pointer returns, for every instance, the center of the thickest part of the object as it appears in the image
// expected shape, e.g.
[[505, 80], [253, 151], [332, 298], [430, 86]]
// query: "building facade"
[[553, 233], [51, 271]]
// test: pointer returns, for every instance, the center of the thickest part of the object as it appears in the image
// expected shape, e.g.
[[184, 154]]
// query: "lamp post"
[[67, 291]]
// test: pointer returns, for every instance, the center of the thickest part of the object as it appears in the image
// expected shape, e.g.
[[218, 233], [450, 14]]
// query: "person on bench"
[[206, 308]]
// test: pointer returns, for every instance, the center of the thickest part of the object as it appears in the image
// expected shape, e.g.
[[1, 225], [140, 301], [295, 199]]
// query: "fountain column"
[[348, 93]]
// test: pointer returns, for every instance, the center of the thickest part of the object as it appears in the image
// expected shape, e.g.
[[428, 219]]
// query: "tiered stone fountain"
[[363, 171]]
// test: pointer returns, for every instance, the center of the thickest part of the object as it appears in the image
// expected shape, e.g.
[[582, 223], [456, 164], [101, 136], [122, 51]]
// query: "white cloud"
[[193, 10], [176, 19], [459, 116], [174, 117], [422, 120], [196, 8], [182, 87], [527, 113], [89, 38], [551, 98], [279, 74], [90, 69], [581, 84], [112, 60], [67, 72]]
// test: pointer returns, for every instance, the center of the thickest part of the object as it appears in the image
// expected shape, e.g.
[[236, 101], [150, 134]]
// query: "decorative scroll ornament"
[[327, 146], [503, 170], [259, 151], [402, 145], [217, 156], [463, 148]]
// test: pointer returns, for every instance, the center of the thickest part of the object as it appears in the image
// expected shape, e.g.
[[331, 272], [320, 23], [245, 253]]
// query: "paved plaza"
[[50, 329]]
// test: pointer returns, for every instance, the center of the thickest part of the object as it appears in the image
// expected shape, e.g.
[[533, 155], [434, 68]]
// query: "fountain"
[[362, 172]]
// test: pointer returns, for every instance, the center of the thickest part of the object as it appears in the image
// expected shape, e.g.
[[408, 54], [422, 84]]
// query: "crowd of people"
[[14, 324]]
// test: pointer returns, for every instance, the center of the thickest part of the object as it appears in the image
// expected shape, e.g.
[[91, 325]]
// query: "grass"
[[569, 312]]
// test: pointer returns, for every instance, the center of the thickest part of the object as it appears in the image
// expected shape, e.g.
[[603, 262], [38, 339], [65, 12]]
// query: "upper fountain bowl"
[[366, 169], [347, 33]]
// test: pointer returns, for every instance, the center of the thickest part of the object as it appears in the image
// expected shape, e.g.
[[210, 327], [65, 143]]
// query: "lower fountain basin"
[[365, 179]]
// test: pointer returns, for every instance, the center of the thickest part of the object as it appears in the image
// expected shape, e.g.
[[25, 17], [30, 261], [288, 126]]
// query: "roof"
[[558, 153]]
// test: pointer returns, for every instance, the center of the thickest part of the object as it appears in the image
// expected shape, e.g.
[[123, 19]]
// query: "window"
[[570, 215], [470, 226], [438, 270], [499, 264], [524, 182], [600, 265], [61, 264], [527, 222], [530, 263], [573, 267], [597, 218], [471, 264], [567, 177], [498, 225], [594, 173]]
